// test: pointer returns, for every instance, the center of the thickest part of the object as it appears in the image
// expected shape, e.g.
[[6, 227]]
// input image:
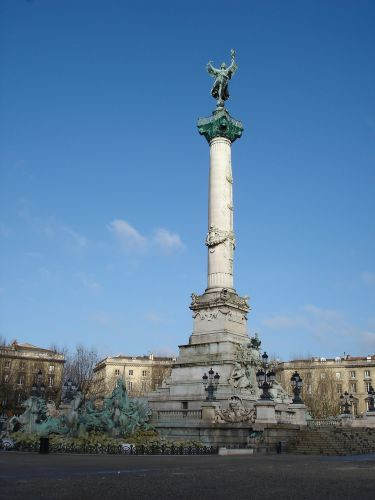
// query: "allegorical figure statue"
[[222, 76]]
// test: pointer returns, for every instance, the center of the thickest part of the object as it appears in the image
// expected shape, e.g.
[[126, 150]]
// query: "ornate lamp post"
[[297, 384], [346, 401], [69, 391], [371, 398], [210, 383], [265, 378], [38, 388]]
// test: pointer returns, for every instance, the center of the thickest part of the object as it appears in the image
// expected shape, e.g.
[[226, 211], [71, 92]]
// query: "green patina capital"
[[220, 124]]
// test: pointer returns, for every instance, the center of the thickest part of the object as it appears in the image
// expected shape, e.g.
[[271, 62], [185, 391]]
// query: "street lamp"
[[297, 384], [38, 388], [210, 383], [371, 398], [346, 401], [265, 378]]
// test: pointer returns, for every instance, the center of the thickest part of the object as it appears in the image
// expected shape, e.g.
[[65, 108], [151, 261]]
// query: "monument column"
[[220, 314], [220, 237]]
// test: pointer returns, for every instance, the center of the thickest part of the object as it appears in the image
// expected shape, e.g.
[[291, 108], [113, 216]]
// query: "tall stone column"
[[220, 237], [219, 312]]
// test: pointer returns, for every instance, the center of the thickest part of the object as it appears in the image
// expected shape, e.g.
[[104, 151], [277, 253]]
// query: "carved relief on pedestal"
[[222, 299], [236, 412], [206, 314]]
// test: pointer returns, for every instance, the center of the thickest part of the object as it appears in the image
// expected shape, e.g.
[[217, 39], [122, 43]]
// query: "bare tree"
[[159, 373], [79, 367], [320, 393]]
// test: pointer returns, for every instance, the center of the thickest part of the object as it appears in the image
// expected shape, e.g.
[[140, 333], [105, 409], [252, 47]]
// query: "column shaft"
[[220, 238]]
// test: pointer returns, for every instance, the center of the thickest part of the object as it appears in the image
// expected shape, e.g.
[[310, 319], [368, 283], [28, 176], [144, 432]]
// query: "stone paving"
[[34, 476]]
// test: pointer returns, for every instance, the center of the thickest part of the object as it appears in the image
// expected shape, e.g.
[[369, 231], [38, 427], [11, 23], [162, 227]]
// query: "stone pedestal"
[[369, 418], [300, 410], [208, 411], [265, 412], [346, 419]]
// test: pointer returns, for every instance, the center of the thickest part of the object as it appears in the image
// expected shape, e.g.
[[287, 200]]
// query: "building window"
[[7, 364], [339, 389], [131, 372], [367, 386], [144, 386], [21, 379], [117, 371], [367, 374], [353, 387], [338, 375], [352, 374], [355, 409], [51, 368], [22, 365], [19, 398], [144, 373], [185, 405], [130, 386], [51, 380], [322, 376]]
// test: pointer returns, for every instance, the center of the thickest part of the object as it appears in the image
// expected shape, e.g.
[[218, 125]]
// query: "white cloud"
[[283, 321], [154, 317], [127, 235], [166, 240], [89, 282], [53, 229], [4, 231], [326, 325], [131, 239], [79, 240], [103, 319], [368, 278], [321, 312]]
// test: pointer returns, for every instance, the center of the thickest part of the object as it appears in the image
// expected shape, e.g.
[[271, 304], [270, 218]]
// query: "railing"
[[120, 449], [177, 414], [318, 423], [285, 416]]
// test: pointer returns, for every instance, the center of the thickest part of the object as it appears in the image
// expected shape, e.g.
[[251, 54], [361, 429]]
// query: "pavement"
[[33, 476]]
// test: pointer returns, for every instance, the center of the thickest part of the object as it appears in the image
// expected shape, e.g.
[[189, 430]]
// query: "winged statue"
[[221, 77]]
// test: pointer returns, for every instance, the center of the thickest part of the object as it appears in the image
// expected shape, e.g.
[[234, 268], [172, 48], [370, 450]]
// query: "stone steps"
[[333, 442]]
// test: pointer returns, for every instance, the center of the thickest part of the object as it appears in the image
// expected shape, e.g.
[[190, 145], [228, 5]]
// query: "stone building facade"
[[141, 374], [325, 379], [19, 366]]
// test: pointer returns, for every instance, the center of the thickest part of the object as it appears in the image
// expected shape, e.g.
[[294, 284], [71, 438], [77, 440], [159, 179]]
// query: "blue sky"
[[104, 177]]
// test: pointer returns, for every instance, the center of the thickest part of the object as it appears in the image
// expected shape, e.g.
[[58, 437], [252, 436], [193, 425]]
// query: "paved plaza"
[[30, 475]]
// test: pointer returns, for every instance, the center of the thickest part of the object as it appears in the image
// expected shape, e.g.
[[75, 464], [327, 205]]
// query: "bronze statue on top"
[[222, 76]]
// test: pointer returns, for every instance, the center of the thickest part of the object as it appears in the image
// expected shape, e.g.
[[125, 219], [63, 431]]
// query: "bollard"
[[44, 445]]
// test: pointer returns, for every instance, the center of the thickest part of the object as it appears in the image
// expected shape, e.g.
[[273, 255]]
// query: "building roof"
[[26, 347]]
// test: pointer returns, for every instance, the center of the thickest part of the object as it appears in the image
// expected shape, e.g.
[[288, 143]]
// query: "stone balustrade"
[[177, 414]]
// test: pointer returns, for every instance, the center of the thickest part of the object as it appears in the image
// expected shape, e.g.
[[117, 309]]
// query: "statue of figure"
[[222, 76], [119, 416], [239, 378]]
